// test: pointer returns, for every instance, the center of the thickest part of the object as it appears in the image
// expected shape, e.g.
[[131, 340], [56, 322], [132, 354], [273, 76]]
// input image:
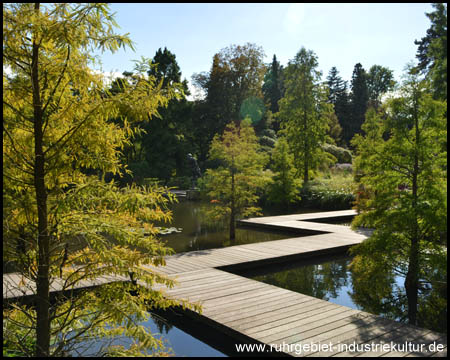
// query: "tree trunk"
[[233, 210], [306, 155], [42, 281], [412, 277]]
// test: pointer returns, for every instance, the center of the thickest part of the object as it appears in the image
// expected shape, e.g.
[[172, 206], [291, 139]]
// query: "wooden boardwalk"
[[254, 312]]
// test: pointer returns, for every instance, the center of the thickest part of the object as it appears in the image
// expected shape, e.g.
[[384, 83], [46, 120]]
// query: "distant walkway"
[[257, 313]]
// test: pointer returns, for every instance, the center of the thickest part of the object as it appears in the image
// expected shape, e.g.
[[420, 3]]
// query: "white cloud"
[[196, 93]]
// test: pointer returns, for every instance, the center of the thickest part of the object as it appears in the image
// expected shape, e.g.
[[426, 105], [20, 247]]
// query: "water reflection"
[[332, 279], [201, 233], [176, 342]]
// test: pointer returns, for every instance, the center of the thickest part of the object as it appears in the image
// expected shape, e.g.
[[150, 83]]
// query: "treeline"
[[239, 85]]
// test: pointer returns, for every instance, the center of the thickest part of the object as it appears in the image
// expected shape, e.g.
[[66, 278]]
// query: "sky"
[[340, 35]]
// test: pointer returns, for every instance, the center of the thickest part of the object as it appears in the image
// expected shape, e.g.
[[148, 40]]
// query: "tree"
[[273, 87], [401, 167], [358, 103], [380, 80], [432, 51], [236, 75], [285, 187], [169, 139], [165, 67], [234, 185], [339, 98], [304, 112], [61, 224]]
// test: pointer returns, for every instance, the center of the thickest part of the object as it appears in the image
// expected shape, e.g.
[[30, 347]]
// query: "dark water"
[[199, 232], [176, 342], [331, 279]]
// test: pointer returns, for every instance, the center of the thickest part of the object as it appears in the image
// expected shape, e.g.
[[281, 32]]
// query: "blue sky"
[[341, 35]]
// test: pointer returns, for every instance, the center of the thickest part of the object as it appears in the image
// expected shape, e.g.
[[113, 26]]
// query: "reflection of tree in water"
[[378, 289], [163, 326], [322, 281]]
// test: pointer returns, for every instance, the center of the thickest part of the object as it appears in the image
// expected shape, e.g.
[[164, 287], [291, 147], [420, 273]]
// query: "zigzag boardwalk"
[[254, 312]]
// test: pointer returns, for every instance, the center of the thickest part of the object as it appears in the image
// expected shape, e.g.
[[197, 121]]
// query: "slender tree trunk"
[[42, 281], [412, 277], [233, 210], [306, 165]]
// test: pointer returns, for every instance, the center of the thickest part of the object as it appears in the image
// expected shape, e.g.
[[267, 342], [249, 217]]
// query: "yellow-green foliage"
[[94, 228], [242, 164]]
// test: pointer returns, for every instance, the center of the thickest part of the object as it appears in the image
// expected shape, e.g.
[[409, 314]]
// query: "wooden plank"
[[263, 298], [373, 331], [238, 298], [297, 329], [229, 291], [240, 315], [314, 307], [307, 309], [199, 289], [228, 312]]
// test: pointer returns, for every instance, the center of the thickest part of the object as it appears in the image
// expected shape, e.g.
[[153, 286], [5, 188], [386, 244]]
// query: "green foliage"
[[339, 98], [285, 188], [318, 195], [380, 80], [342, 155], [432, 51], [62, 221], [273, 87], [234, 185], [160, 149], [401, 171], [233, 89], [358, 103], [304, 112]]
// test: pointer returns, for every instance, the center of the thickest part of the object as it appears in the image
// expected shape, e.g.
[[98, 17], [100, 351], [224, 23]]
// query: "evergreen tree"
[[168, 139], [305, 112], [272, 88], [358, 103], [338, 96], [432, 51], [165, 67]]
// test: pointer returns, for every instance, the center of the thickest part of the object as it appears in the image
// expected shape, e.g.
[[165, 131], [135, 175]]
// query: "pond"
[[330, 278], [176, 341], [198, 232]]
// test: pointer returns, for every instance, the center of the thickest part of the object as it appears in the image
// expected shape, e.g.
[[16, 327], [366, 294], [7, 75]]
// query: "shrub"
[[342, 155]]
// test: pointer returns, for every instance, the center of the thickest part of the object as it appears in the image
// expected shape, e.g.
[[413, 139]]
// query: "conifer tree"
[[272, 88], [339, 98], [432, 51], [305, 112], [358, 103], [235, 184], [401, 169]]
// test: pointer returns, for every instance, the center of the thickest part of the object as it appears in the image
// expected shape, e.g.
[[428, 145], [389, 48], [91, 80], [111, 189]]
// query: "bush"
[[333, 193], [326, 199], [342, 155]]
